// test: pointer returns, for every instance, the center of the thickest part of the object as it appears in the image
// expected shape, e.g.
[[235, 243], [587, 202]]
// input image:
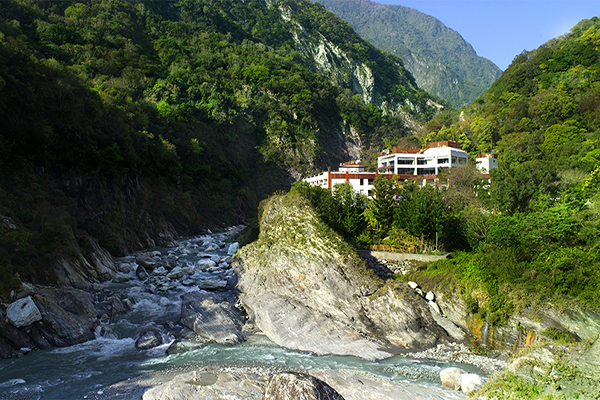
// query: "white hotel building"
[[418, 164]]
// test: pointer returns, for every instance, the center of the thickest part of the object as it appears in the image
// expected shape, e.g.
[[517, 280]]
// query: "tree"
[[466, 186], [380, 211], [351, 205], [517, 185], [421, 211]]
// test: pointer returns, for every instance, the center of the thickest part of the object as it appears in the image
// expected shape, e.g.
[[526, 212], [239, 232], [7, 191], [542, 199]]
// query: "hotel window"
[[462, 160], [454, 160], [425, 171], [370, 181], [443, 160], [421, 161], [405, 171], [406, 161]]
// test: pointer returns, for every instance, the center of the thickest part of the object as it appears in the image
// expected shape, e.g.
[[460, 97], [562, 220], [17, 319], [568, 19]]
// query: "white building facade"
[[422, 162], [422, 165], [352, 172]]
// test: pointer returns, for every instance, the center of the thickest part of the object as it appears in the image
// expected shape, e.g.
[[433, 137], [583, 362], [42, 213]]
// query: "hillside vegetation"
[[128, 122], [442, 62]]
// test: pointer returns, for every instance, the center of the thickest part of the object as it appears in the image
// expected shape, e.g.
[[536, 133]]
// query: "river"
[[86, 370]]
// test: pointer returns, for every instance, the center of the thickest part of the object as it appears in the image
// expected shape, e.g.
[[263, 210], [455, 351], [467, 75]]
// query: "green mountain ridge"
[[442, 62], [129, 122]]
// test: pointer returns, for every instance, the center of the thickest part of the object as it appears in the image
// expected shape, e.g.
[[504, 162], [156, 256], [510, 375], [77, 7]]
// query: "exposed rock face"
[[81, 271], [249, 384], [522, 329], [347, 72], [441, 61], [404, 318], [297, 386], [306, 289], [208, 386], [23, 312]]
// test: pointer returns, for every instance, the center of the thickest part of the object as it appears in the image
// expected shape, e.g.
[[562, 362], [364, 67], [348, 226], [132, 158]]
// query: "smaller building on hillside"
[[486, 162], [352, 172]]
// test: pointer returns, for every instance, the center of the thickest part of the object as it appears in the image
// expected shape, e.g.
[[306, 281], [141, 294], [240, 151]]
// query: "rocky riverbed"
[[171, 312]]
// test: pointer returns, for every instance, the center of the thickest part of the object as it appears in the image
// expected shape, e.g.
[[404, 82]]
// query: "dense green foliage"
[[537, 238], [125, 119], [439, 58], [341, 209]]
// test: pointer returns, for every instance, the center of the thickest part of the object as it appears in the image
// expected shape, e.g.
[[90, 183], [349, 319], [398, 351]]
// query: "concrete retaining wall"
[[388, 255]]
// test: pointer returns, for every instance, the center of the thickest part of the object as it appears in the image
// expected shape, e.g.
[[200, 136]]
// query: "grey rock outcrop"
[[69, 316], [212, 317], [23, 312], [81, 271], [298, 386], [306, 289], [207, 385]]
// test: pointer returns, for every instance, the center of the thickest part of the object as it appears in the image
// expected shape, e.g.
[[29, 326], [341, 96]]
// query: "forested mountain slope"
[[439, 58], [542, 117], [129, 121], [536, 238]]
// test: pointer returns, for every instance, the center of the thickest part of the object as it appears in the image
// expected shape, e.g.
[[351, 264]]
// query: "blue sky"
[[501, 29]]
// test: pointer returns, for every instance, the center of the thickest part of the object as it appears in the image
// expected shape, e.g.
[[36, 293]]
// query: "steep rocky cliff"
[[442, 62], [306, 289]]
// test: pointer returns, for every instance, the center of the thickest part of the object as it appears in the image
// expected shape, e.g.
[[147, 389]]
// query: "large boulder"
[[470, 382], [298, 386], [306, 289], [23, 312], [212, 317], [69, 316]]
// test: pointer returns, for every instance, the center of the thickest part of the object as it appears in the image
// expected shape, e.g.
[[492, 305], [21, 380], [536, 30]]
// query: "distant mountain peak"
[[442, 62]]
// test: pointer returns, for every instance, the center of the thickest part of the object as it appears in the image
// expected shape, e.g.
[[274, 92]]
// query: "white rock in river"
[[121, 277], [233, 248], [204, 264], [452, 377], [159, 271], [413, 285], [23, 312], [470, 382]]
